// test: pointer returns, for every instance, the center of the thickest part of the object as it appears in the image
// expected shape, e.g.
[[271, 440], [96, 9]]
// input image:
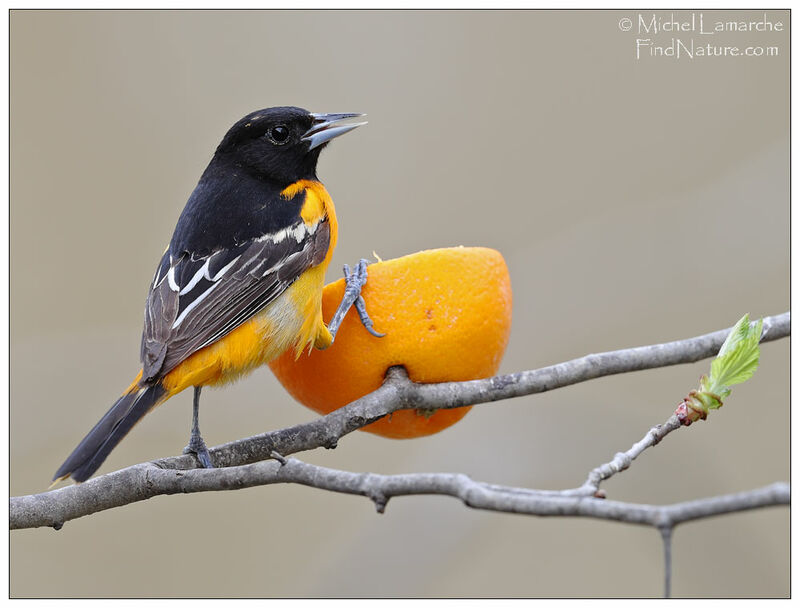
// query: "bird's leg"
[[354, 282], [196, 444]]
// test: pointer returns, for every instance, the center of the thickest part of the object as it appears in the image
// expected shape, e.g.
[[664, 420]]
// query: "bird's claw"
[[361, 309], [198, 447], [354, 283]]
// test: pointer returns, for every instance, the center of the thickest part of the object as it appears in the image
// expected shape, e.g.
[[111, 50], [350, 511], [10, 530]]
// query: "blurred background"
[[635, 201]]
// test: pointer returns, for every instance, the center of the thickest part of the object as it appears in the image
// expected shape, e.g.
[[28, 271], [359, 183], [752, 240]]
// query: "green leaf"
[[738, 358], [737, 334], [736, 361]]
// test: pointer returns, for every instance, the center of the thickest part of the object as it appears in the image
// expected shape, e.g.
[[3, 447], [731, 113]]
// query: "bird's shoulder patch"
[[317, 203]]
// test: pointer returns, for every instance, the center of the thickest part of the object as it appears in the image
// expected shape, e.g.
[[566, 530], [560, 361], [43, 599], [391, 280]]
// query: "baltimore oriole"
[[241, 280]]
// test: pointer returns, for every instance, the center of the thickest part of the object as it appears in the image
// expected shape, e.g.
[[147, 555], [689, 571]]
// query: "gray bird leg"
[[196, 444]]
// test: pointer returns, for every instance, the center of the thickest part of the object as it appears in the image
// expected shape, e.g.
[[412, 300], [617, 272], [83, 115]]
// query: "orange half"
[[446, 314]]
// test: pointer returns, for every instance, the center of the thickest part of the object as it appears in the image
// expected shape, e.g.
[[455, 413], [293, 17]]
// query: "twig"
[[666, 539], [622, 460]]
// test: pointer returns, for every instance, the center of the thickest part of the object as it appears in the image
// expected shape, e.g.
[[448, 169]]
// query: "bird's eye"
[[278, 134]]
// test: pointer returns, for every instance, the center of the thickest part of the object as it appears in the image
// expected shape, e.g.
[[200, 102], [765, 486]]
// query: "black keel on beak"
[[327, 126]]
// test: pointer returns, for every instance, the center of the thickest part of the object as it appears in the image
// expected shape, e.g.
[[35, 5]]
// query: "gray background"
[[634, 201]]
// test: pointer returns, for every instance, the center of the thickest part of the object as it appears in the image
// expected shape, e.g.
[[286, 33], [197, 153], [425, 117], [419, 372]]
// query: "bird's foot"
[[198, 447], [354, 283]]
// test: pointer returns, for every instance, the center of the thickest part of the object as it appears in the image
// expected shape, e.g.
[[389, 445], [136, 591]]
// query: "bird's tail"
[[106, 434]]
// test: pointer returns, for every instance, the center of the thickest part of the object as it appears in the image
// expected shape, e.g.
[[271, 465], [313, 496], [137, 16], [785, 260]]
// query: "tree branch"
[[173, 475], [144, 481], [398, 393]]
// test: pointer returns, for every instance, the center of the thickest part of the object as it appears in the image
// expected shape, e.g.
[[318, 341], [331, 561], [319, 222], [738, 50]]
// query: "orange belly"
[[293, 319]]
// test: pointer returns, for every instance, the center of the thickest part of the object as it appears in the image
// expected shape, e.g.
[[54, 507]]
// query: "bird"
[[242, 277]]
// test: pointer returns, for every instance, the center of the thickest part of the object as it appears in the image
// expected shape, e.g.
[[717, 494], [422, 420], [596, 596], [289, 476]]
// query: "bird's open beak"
[[327, 126]]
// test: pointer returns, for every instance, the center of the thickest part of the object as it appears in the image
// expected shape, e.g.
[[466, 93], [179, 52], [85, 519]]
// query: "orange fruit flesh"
[[446, 314]]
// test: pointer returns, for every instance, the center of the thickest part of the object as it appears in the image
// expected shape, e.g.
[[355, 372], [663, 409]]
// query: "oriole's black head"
[[281, 144]]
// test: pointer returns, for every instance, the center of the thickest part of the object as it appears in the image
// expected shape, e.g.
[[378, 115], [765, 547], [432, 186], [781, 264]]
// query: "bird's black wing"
[[196, 300]]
